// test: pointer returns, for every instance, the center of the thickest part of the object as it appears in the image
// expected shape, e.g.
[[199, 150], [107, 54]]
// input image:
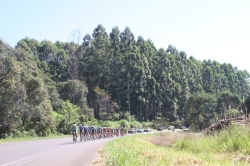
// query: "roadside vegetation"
[[30, 138], [229, 147], [111, 76], [129, 122]]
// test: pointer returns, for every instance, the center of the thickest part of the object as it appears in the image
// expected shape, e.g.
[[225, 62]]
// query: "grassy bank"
[[235, 139], [32, 138], [230, 147]]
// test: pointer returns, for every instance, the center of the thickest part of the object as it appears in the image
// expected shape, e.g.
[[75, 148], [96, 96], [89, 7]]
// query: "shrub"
[[135, 124]]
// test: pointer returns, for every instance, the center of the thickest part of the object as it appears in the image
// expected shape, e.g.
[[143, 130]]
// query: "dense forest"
[[46, 86]]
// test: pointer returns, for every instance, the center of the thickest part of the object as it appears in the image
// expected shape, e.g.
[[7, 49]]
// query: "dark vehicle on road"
[[160, 129]]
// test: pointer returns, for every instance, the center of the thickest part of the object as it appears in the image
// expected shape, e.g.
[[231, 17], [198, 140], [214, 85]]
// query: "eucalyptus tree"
[[165, 86], [175, 62], [85, 58], [96, 58], [145, 84], [116, 65], [73, 61], [219, 78], [151, 82], [231, 76], [101, 56], [243, 83], [208, 78], [184, 92], [172, 50], [59, 66], [129, 54], [96, 62], [194, 75]]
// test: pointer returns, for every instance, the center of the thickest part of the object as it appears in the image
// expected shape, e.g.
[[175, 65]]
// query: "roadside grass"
[[233, 139], [229, 147], [32, 138], [232, 144]]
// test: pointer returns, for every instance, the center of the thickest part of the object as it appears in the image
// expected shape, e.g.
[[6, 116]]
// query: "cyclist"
[[99, 132], [74, 130], [86, 132], [118, 131], [122, 131], [81, 131], [92, 130]]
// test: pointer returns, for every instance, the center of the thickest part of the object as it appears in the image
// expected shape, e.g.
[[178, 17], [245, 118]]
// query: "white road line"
[[34, 156]]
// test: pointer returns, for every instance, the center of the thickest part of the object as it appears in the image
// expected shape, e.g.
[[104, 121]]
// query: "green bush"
[[124, 123], [147, 124], [32, 133], [107, 123], [135, 124], [93, 121]]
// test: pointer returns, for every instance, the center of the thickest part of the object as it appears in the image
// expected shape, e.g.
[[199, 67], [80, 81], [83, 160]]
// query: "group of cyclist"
[[93, 132]]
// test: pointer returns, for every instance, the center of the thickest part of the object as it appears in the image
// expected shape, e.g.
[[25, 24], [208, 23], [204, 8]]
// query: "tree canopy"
[[43, 85]]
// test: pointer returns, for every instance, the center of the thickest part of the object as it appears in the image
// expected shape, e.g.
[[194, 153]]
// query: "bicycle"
[[74, 137], [81, 136]]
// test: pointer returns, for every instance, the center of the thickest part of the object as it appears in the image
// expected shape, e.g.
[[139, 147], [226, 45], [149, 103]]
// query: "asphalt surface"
[[60, 151]]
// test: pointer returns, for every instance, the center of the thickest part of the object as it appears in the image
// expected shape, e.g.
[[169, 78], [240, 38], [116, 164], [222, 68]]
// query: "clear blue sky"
[[212, 29]]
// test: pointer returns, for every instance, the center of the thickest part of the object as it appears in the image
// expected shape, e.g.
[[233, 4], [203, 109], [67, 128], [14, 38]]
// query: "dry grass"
[[186, 149], [100, 160], [168, 139], [189, 161]]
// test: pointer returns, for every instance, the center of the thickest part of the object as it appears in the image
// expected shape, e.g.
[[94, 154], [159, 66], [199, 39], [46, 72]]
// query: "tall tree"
[[129, 53]]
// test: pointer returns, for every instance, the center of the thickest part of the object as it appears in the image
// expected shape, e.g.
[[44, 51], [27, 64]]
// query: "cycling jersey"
[[93, 129], [81, 128], [74, 129], [85, 129]]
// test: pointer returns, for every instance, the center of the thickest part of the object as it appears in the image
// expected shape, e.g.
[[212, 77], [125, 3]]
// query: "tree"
[[116, 65], [165, 87], [129, 52], [200, 110], [105, 107], [12, 94], [208, 80], [247, 105], [227, 101], [70, 114]]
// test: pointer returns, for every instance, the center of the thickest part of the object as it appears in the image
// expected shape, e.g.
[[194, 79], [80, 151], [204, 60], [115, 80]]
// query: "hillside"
[[46, 86]]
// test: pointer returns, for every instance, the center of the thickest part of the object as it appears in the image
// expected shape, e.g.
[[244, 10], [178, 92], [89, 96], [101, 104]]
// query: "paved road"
[[59, 151]]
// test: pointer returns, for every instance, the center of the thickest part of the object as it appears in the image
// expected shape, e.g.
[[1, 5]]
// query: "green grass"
[[234, 139], [230, 147], [32, 138]]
